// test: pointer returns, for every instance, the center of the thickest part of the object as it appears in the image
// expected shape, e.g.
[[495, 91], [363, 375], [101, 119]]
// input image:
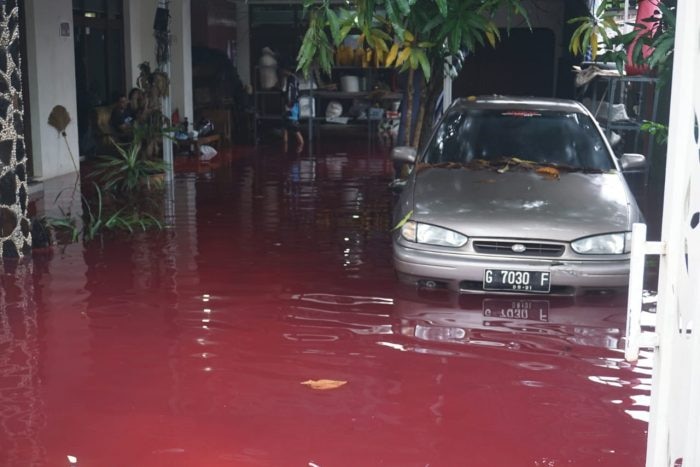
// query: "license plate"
[[517, 281], [533, 310]]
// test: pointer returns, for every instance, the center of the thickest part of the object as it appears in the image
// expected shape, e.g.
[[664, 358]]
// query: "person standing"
[[290, 97]]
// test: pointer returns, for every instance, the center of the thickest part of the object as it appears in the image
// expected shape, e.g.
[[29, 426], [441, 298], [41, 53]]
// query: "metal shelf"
[[616, 90], [321, 96]]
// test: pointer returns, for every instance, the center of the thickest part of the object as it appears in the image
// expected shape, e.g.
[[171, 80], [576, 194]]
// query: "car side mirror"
[[404, 154], [632, 162]]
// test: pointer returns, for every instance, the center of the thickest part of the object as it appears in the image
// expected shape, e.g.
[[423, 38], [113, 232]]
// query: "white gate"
[[674, 429]]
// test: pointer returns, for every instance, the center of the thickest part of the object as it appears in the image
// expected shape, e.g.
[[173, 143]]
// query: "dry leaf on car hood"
[[549, 172], [324, 384]]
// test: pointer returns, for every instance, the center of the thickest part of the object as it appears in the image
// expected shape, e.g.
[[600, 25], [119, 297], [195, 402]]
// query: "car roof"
[[520, 103]]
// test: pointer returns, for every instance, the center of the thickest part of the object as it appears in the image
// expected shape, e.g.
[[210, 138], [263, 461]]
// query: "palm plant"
[[599, 32], [429, 37], [659, 36]]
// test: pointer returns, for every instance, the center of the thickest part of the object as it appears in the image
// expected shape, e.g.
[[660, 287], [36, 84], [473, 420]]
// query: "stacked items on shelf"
[[357, 92]]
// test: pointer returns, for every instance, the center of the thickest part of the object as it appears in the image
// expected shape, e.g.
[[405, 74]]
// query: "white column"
[[243, 41], [51, 68], [133, 40]]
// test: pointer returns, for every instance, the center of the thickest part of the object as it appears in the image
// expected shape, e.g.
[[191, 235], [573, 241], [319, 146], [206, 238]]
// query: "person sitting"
[[121, 119], [137, 104]]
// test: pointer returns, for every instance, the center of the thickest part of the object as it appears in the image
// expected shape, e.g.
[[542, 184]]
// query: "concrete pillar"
[[15, 238], [181, 59], [243, 41]]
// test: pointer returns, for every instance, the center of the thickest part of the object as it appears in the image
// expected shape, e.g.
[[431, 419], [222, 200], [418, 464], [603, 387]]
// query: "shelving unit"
[[268, 105], [640, 97]]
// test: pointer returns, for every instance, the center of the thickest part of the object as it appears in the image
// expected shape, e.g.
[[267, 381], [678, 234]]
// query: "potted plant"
[[131, 171]]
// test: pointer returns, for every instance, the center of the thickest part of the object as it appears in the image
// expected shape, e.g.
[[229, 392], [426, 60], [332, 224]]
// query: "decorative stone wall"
[[15, 232]]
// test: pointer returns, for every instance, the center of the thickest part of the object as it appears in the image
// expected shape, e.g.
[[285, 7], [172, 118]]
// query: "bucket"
[[350, 84]]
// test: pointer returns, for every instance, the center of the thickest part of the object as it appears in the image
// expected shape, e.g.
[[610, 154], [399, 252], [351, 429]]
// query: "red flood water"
[[188, 346]]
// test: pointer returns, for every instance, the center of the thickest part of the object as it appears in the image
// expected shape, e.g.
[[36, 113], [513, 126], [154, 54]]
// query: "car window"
[[544, 137]]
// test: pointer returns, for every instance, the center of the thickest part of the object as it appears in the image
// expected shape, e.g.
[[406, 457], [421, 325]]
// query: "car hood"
[[523, 204]]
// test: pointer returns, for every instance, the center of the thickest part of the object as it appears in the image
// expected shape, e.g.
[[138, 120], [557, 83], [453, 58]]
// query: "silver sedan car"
[[515, 195]]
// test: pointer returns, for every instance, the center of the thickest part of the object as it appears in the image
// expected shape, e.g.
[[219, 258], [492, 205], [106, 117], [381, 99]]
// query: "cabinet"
[[362, 93]]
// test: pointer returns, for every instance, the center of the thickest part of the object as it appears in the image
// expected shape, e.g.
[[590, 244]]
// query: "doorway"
[[522, 64], [99, 59]]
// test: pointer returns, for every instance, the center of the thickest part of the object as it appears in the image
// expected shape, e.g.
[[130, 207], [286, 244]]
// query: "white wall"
[[51, 68], [181, 63], [243, 41], [140, 47], [133, 47]]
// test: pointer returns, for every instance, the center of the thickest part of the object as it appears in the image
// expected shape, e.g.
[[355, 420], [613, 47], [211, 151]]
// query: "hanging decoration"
[[161, 33]]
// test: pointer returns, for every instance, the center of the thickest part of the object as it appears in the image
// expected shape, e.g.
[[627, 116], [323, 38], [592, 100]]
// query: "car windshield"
[[561, 139]]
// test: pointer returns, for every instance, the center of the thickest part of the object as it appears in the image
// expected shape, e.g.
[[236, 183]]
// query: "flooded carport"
[[264, 326]]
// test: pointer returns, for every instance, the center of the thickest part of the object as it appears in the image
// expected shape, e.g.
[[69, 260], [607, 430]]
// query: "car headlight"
[[432, 235], [608, 244]]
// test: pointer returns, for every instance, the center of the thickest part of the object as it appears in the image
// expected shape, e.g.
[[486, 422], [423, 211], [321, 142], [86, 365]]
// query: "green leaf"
[[403, 56], [334, 24], [425, 65], [430, 25], [404, 6], [413, 60], [585, 42], [403, 221], [345, 30], [378, 33], [579, 19], [442, 7], [456, 39], [594, 43]]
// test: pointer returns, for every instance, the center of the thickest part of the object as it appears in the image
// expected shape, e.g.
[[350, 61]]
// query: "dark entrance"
[[99, 58], [522, 64]]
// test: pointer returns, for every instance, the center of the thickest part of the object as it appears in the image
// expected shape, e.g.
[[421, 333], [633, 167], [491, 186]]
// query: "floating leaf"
[[403, 221], [549, 172], [324, 384]]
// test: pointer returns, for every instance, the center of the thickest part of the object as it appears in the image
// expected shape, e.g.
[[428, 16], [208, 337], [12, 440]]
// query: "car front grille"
[[547, 250]]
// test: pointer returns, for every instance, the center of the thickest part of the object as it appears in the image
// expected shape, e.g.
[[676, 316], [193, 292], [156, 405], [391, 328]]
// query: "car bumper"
[[465, 273]]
